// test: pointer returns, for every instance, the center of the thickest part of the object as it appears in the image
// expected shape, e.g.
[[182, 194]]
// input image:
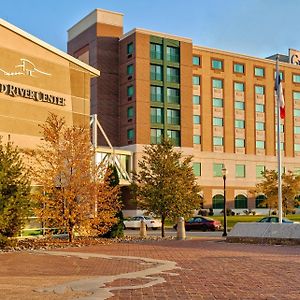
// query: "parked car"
[[201, 223], [274, 219], [135, 222]]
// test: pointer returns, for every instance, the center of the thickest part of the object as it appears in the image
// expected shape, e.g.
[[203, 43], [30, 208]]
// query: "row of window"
[[240, 202], [157, 116], [240, 143], [172, 55], [240, 170], [217, 64], [156, 73], [238, 86], [157, 94], [157, 136]]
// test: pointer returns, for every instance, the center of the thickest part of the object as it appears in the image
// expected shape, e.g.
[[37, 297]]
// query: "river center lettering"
[[39, 96]]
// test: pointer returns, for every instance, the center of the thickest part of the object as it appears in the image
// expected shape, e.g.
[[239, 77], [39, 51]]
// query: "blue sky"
[[253, 27]]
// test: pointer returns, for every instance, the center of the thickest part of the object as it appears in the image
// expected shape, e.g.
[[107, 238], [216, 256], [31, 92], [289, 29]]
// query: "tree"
[[269, 187], [117, 229], [14, 191], [75, 193], [165, 184]]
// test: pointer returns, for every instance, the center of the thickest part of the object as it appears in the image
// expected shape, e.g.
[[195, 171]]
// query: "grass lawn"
[[232, 220]]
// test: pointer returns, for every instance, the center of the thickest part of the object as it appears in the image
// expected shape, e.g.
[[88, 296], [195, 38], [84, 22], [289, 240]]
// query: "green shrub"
[[117, 230]]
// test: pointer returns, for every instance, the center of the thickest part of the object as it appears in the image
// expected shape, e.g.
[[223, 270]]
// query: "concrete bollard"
[[143, 229], [181, 229]]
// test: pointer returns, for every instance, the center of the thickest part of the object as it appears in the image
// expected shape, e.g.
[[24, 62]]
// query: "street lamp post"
[[224, 173]]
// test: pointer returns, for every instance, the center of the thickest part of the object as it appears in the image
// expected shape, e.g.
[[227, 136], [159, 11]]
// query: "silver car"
[[135, 222]]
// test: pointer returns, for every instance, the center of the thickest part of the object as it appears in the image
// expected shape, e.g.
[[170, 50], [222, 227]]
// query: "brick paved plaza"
[[194, 269]]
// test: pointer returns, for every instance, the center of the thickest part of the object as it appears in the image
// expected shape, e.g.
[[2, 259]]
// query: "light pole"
[[224, 173]]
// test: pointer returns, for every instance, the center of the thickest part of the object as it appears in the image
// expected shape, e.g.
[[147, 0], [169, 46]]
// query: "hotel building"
[[216, 105]]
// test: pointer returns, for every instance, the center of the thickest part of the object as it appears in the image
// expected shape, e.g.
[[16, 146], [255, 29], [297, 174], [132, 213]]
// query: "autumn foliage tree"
[[74, 193], [165, 184], [269, 187]]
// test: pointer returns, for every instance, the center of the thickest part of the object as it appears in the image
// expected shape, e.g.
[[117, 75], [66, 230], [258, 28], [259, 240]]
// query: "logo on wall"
[[25, 68], [294, 56]]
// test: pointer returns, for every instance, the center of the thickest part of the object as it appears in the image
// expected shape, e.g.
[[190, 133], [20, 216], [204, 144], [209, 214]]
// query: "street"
[[172, 232]]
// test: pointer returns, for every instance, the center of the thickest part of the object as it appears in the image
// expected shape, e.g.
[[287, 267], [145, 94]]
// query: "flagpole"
[[278, 143]]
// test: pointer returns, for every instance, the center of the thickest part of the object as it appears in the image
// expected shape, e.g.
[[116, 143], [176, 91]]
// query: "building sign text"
[[39, 96]]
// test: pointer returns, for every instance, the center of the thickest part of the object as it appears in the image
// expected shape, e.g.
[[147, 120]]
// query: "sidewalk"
[[193, 269]]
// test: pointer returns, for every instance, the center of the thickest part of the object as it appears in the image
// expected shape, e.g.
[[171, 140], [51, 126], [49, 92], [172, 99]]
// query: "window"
[[281, 146], [174, 136], [197, 168], [218, 141], [217, 64], [259, 201], [240, 171], [260, 126], [130, 70], [196, 80], [239, 105], [281, 128], [239, 86], [130, 91], [173, 75], [156, 72], [156, 136], [260, 108], [260, 144], [297, 147], [196, 100], [217, 102], [296, 112], [239, 68], [297, 130], [217, 169], [156, 51], [156, 93], [196, 60], [259, 171], [296, 78], [129, 48], [173, 116], [173, 96], [280, 74], [240, 201], [296, 95], [259, 90], [260, 72], [239, 123], [129, 112], [130, 134], [218, 83], [217, 121], [196, 139], [240, 143], [218, 201], [172, 54], [157, 115], [196, 119]]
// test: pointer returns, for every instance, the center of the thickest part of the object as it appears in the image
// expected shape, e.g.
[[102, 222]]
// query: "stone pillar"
[[181, 229], [143, 229]]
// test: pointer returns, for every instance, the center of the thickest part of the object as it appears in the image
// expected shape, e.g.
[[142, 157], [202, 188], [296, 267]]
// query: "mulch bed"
[[46, 243]]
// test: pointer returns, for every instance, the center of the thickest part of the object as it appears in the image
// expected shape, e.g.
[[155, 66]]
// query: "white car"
[[135, 222]]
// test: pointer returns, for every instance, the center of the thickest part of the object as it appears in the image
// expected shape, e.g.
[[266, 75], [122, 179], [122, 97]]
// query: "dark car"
[[201, 223], [274, 219]]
